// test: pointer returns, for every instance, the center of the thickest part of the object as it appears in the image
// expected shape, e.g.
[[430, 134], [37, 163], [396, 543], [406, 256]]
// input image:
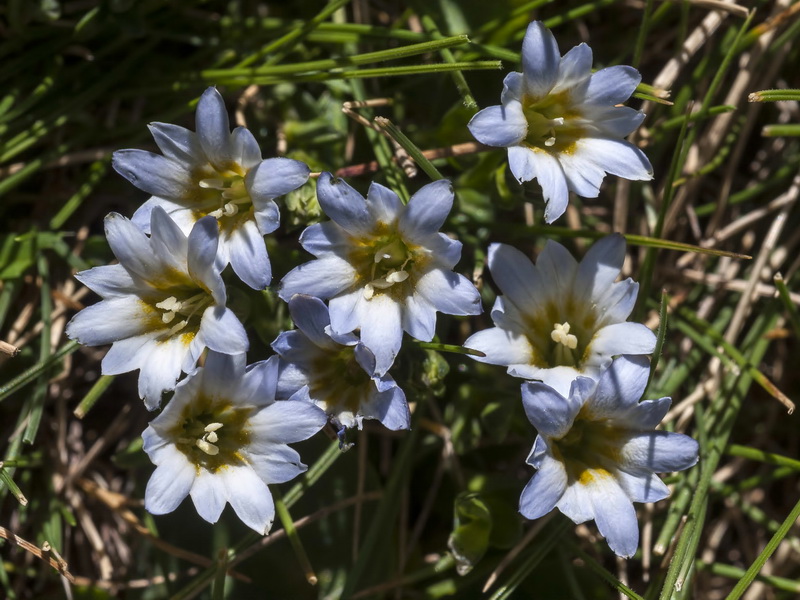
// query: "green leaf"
[[471, 530]]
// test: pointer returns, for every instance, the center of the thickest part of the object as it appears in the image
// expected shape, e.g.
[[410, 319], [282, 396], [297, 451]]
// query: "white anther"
[[561, 335], [397, 276], [216, 184], [168, 316], [212, 437], [212, 427], [369, 291], [170, 304], [207, 447]]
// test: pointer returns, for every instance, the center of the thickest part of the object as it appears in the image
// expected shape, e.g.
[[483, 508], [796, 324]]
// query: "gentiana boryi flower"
[[384, 266], [218, 173], [223, 437], [336, 371], [597, 453], [163, 304], [559, 319], [561, 124]]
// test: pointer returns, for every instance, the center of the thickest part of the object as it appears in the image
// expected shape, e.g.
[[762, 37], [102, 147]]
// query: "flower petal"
[[286, 422], [344, 205], [449, 292], [501, 347], [500, 126], [248, 256], [621, 338], [276, 463], [275, 177], [540, 60], [131, 246], [390, 408], [169, 484], [384, 204], [201, 257], [152, 173], [419, 318], [427, 210], [177, 143], [515, 275], [222, 374], [612, 85], [600, 267], [160, 368], [209, 495], [222, 331], [513, 87], [111, 320], [614, 515], [529, 163], [381, 329], [619, 388], [213, 129], [322, 238], [324, 278], [659, 451], [311, 316], [250, 498], [246, 151], [618, 157], [544, 490], [614, 121], [550, 412], [108, 281], [125, 355], [642, 486], [574, 68]]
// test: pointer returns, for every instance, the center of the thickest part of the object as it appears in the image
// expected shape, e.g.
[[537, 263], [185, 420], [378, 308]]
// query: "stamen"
[[397, 276], [216, 184], [561, 335], [170, 304], [369, 291], [207, 447]]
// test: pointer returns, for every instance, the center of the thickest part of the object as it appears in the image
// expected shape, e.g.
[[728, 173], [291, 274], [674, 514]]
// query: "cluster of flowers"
[[384, 269]]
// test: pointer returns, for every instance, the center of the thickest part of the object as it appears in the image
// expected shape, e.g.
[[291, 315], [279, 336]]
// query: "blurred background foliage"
[[430, 513]]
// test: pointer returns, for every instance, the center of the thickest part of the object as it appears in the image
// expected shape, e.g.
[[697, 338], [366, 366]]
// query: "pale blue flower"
[[559, 319], [561, 124], [163, 304], [335, 371], [384, 266], [223, 437], [597, 453], [219, 173]]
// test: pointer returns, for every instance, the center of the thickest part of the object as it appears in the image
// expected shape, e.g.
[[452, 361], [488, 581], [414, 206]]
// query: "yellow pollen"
[[561, 335]]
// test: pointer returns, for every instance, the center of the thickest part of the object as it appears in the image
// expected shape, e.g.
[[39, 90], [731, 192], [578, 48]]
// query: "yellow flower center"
[[553, 123], [212, 434], [391, 264]]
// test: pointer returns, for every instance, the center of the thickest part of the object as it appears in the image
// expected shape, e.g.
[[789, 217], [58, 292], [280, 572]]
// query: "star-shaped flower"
[[336, 370], [219, 173], [561, 123], [163, 304], [223, 437], [384, 266], [597, 453], [559, 319]]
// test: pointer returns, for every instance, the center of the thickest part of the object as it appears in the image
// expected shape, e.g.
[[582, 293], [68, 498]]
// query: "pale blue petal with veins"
[[223, 438], [597, 453], [558, 319], [219, 173], [337, 370], [561, 123], [163, 304], [384, 267]]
